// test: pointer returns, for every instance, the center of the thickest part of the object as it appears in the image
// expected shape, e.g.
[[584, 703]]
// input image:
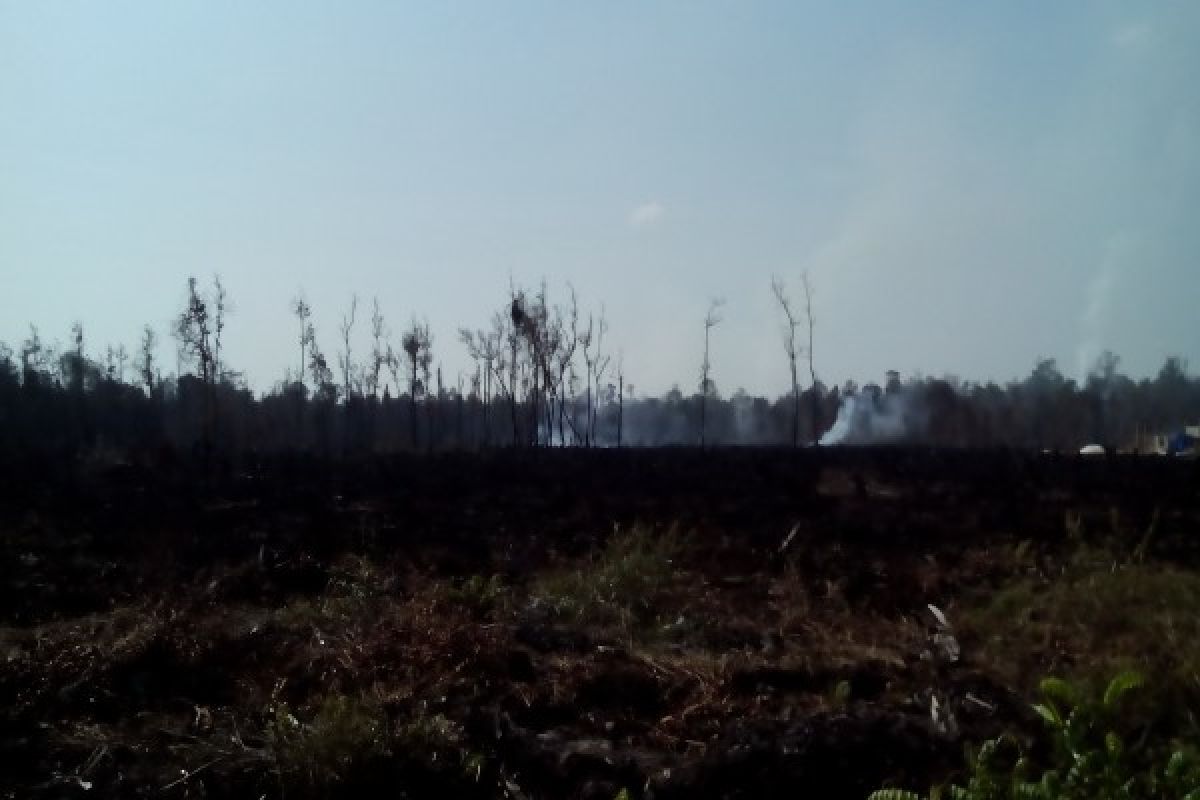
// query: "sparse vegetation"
[[343, 736], [479, 595], [1097, 753], [620, 586], [1095, 618]]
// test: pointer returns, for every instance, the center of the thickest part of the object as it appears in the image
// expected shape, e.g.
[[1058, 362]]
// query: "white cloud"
[[1132, 35], [647, 214]]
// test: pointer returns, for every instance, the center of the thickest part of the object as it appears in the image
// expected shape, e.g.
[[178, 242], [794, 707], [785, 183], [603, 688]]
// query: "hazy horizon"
[[969, 188]]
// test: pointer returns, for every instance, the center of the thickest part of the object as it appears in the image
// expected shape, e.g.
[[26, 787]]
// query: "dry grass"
[[380, 670], [1100, 616], [312, 757], [621, 587]]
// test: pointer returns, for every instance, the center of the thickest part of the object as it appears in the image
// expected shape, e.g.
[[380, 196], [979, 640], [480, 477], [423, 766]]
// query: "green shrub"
[[347, 745], [344, 734], [1097, 754], [618, 587], [436, 744], [1097, 619], [477, 594]]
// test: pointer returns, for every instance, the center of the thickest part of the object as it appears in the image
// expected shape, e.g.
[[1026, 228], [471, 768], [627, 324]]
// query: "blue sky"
[[970, 186]]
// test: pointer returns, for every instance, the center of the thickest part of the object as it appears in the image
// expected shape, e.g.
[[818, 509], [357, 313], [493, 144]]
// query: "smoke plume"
[[873, 417]]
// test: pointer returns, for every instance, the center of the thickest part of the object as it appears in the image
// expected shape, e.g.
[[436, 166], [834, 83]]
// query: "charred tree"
[[711, 320], [303, 313], [197, 330], [220, 303], [790, 324], [378, 350], [620, 396], [812, 372], [146, 359], [417, 344], [345, 357]]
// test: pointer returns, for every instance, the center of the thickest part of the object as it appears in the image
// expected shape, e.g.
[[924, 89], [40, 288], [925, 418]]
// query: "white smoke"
[[872, 417], [1101, 292]]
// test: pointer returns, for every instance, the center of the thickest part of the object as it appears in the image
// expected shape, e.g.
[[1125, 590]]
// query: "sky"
[[970, 186]]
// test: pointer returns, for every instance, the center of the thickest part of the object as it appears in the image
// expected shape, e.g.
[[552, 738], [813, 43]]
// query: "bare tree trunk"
[[302, 311], [487, 404], [711, 320], [816, 402], [599, 366], [412, 405], [221, 304], [795, 394], [512, 390], [620, 398], [345, 357], [516, 427], [458, 424], [789, 347], [435, 412], [534, 409]]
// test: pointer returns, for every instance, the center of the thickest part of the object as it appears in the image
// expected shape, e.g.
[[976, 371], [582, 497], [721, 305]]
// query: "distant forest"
[[543, 375]]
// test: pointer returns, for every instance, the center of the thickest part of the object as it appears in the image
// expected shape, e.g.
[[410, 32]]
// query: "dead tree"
[[595, 364], [484, 349], [599, 366], [324, 389], [77, 365], [458, 418], [477, 381], [564, 360], [121, 356], [790, 323], [417, 344], [345, 362], [808, 313], [620, 395], [585, 348], [311, 357], [512, 335], [146, 359], [572, 392], [478, 378], [325, 392], [193, 331], [711, 320], [526, 327], [378, 349], [220, 303], [544, 336], [435, 408], [491, 351], [394, 364], [36, 359], [303, 313]]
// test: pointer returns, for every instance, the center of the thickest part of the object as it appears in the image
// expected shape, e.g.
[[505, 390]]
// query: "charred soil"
[[570, 623]]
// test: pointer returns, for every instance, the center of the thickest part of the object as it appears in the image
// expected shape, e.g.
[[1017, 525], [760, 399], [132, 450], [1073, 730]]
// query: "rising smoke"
[[874, 417]]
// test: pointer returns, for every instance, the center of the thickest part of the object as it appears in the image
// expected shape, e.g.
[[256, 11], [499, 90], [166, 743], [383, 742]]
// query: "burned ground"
[[542, 624]]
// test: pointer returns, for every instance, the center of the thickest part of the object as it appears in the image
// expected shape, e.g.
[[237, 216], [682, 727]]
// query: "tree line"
[[542, 374]]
